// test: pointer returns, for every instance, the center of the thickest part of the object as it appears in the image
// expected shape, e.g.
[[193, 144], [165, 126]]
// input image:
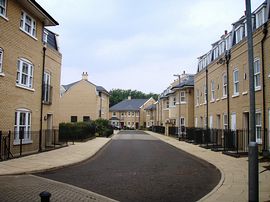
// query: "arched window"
[[24, 73]]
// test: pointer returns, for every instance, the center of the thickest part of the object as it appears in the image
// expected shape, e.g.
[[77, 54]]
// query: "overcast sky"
[[138, 44]]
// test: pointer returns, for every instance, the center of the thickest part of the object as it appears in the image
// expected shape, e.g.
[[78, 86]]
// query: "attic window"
[[260, 17], [239, 34]]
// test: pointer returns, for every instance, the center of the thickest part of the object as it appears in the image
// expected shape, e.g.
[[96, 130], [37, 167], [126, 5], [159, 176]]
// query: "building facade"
[[83, 101], [222, 81], [30, 66], [130, 113]]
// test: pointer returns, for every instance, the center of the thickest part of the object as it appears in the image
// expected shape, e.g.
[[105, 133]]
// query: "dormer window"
[[228, 41], [260, 17], [45, 36], [239, 34], [221, 47], [209, 57], [216, 52]]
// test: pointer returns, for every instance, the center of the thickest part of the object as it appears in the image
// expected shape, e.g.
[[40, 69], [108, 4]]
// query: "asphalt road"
[[135, 166]]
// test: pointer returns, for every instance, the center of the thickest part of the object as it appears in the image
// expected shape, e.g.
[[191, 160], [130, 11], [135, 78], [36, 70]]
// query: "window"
[[174, 101], [122, 114], [235, 82], [167, 104], [128, 114], [239, 34], [258, 120], [183, 97], [210, 121], [225, 121], [216, 52], [205, 93], [224, 82], [114, 114], [3, 7], [133, 114], [86, 118], [221, 47], [197, 97], [24, 73], [45, 36], [47, 88], [73, 119], [196, 122], [228, 41], [257, 71], [22, 127], [212, 90], [28, 24], [182, 121], [1, 59], [260, 18]]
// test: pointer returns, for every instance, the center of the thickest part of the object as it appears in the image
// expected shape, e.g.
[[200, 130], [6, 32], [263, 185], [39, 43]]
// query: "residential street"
[[135, 166]]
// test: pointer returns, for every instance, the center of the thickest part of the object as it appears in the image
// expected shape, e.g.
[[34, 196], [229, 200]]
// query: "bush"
[[103, 127], [76, 131]]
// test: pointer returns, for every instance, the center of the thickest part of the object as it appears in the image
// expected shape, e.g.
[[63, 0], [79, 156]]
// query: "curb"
[[61, 166], [222, 177]]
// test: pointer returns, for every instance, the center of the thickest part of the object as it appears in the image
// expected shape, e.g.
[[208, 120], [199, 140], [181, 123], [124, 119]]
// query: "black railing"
[[159, 129], [173, 131], [5, 146]]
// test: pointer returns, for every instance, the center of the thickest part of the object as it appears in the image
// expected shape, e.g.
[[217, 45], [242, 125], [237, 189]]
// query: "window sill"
[[2, 74], [224, 97], [212, 101], [28, 34], [217, 99], [245, 93], [183, 103], [269, 76], [26, 88], [257, 88], [235, 95], [5, 18], [17, 142]]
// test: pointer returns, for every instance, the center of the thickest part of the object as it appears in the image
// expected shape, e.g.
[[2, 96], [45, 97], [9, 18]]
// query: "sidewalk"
[[58, 158], [233, 185]]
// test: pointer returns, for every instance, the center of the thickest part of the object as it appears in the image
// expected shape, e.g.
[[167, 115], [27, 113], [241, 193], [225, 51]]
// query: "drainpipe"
[[227, 58], [41, 102], [265, 31], [206, 85]]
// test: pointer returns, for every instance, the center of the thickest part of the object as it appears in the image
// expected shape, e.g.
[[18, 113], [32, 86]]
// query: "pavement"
[[233, 185]]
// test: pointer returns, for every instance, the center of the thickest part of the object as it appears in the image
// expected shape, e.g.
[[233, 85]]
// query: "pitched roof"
[[151, 107], [129, 105], [98, 88], [189, 82]]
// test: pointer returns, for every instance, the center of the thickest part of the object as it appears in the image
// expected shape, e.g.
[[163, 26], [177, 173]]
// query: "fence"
[[159, 129], [232, 142], [20, 143]]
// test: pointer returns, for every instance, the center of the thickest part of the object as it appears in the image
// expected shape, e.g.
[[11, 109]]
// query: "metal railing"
[[159, 129]]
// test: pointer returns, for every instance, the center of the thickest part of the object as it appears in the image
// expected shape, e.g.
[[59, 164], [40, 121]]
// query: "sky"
[[138, 44]]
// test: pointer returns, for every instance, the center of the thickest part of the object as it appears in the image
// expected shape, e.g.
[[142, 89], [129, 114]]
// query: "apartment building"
[[175, 106], [130, 113], [150, 115], [82, 101], [30, 66], [222, 80]]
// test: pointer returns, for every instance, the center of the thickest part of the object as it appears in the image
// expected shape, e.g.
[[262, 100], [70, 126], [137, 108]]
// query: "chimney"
[[225, 32], [129, 97], [84, 76]]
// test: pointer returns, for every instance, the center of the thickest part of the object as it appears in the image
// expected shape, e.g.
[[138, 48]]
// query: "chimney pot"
[[84, 76]]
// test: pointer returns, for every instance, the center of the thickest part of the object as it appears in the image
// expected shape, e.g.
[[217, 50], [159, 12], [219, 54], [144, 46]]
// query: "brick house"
[[30, 66]]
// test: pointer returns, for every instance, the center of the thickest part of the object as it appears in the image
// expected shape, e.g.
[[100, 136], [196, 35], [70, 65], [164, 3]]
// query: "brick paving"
[[26, 188]]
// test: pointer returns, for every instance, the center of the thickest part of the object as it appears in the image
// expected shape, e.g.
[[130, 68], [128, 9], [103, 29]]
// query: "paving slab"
[[233, 185]]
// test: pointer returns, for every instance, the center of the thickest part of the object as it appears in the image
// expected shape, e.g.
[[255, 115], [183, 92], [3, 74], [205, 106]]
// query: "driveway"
[[135, 166]]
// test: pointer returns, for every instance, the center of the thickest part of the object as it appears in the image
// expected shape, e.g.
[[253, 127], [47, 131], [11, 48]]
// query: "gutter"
[[227, 59], [265, 31], [207, 107]]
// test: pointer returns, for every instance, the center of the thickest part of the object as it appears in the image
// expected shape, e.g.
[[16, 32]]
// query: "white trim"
[[245, 93], [5, 18], [212, 101], [224, 97], [269, 76], [235, 95], [24, 87], [217, 99], [17, 142], [2, 74], [33, 25]]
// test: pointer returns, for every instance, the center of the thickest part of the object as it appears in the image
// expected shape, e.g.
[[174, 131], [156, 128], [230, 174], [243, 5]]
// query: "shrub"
[[103, 127], [76, 131]]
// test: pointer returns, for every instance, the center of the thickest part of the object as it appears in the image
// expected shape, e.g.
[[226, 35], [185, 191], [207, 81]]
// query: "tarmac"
[[233, 185]]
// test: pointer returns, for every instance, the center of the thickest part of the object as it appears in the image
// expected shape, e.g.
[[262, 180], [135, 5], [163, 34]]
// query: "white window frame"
[[182, 97], [182, 121], [257, 74], [235, 82], [114, 114], [225, 85], [174, 101], [205, 93], [221, 47], [258, 121], [24, 124], [210, 121], [1, 59], [167, 104], [216, 52], [260, 17], [24, 25], [239, 33], [213, 90], [225, 121], [4, 8], [25, 79], [228, 41], [47, 85], [197, 97], [196, 122]]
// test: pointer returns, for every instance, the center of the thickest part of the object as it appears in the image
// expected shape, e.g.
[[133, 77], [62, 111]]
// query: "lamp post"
[[253, 176]]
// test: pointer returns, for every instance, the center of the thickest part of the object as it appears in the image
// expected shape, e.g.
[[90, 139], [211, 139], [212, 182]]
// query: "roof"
[[40, 12], [129, 105], [189, 82], [151, 107], [98, 88]]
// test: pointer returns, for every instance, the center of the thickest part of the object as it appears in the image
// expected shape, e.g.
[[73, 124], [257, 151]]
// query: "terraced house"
[[82, 101], [130, 113], [30, 66], [175, 106], [222, 84]]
